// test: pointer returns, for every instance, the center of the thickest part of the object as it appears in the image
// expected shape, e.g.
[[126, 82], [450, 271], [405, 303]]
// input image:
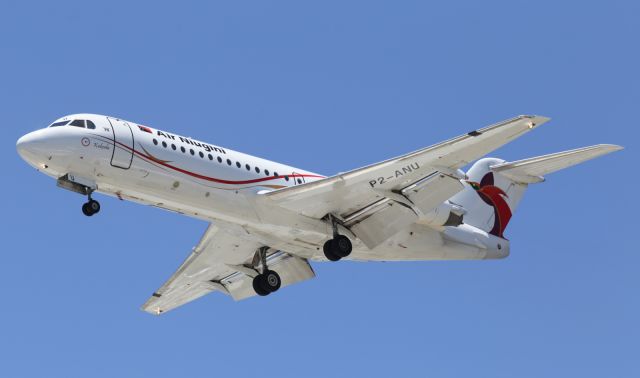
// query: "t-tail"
[[495, 187]]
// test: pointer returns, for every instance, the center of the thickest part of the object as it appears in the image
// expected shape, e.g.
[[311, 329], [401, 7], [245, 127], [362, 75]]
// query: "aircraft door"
[[122, 144], [298, 179]]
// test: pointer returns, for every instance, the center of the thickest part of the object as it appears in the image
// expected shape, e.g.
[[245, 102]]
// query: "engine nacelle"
[[446, 214]]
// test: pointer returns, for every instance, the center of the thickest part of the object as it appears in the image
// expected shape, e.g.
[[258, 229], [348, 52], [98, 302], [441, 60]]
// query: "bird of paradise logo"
[[494, 197]]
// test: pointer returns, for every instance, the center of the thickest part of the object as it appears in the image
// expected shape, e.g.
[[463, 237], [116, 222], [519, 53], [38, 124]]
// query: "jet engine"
[[446, 214]]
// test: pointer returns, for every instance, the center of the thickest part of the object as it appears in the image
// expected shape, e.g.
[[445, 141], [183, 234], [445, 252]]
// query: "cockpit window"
[[61, 123], [78, 123]]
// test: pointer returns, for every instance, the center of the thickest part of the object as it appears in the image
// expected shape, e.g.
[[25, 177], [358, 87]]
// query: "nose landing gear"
[[91, 207], [338, 247]]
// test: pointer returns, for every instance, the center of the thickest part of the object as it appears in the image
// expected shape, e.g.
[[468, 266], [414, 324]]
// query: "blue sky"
[[328, 87]]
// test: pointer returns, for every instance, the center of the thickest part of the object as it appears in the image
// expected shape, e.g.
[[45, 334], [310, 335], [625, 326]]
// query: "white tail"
[[494, 187]]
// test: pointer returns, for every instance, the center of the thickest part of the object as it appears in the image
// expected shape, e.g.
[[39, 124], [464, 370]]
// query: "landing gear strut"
[[268, 281], [338, 247], [91, 207]]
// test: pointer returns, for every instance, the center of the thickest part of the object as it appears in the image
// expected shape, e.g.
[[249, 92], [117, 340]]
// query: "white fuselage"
[[153, 167]]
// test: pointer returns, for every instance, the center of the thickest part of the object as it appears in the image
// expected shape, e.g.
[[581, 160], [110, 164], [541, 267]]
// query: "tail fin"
[[495, 187]]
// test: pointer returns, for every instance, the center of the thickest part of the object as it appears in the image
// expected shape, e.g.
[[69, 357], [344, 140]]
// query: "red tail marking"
[[495, 197]]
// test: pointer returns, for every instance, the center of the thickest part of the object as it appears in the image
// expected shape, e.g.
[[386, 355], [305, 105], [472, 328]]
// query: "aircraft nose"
[[22, 145], [31, 146]]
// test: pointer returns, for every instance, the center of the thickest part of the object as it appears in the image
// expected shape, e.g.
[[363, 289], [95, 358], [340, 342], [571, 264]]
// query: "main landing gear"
[[338, 247], [91, 207], [268, 281]]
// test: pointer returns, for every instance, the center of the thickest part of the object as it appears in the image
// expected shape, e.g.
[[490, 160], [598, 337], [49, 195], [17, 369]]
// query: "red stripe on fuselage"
[[213, 179]]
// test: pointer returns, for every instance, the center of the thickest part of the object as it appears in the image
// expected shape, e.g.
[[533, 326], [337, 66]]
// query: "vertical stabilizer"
[[494, 187], [489, 198]]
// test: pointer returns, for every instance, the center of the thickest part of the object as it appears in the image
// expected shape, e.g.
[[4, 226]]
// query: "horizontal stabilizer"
[[529, 171]]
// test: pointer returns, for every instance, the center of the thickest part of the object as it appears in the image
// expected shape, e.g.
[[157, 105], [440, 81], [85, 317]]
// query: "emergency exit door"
[[122, 144], [298, 178]]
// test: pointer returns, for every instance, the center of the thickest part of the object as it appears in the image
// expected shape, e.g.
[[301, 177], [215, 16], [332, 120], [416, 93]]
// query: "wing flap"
[[375, 229], [432, 191], [291, 269], [381, 220]]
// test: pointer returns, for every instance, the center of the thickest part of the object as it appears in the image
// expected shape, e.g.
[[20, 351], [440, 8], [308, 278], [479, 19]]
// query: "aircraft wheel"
[[259, 285], [342, 246], [94, 206], [271, 281], [90, 208], [327, 248], [86, 210]]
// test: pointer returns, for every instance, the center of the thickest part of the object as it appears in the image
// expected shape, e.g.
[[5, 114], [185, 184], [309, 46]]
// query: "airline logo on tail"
[[494, 197]]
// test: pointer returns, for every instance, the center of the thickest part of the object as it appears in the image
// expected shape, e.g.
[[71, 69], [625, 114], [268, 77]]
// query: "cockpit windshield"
[[77, 122]]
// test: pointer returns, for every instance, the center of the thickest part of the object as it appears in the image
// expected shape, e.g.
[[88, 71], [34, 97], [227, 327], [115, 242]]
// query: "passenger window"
[[275, 174], [210, 157], [164, 144], [266, 172], [219, 159], [201, 154], [182, 149], [228, 162], [78, 123], [238, 164], [257, 170], [248, 167], [299, 181], [90, 125], [155, 141], [286, 178], [192, 151], [173, 146]]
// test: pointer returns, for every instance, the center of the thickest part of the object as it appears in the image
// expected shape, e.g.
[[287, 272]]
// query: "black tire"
[[341, 246], [86, 210], [259, 286], [327, 248], [94, 206], [272, 281]]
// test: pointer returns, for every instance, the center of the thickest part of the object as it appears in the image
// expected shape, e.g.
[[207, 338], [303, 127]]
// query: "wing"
[[223, 261], [380, 199]]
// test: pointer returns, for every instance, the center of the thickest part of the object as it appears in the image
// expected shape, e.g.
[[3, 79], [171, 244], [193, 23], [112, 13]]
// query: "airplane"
[[268, 220]]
